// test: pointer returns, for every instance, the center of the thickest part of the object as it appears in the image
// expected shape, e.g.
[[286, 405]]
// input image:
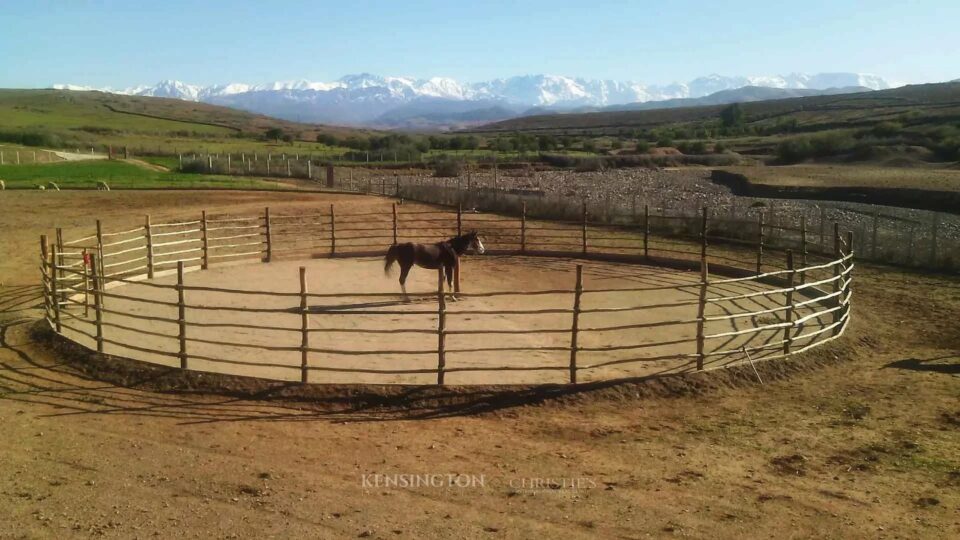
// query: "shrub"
[[664, 141], [447, 168], [589, 165], [794, 150], [887, 129], [642, 146], [693, 147], [948, 150], [831, 144], [719, 147]]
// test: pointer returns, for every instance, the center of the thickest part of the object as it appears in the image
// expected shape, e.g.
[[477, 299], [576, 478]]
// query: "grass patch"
[[118, 175]]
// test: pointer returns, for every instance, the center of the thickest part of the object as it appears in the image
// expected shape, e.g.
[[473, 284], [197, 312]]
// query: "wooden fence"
[[82, 281]]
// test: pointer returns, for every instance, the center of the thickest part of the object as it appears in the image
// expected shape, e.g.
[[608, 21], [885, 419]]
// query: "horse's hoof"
[[454, 298]]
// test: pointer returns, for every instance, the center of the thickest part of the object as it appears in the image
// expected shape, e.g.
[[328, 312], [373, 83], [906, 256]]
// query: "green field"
[[117, 175]]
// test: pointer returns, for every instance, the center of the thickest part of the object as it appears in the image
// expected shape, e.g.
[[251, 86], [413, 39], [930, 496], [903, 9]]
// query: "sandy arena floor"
[[544, 342]]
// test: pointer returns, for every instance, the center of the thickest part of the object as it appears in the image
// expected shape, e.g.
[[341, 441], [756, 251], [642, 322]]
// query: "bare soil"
[[859, 439]]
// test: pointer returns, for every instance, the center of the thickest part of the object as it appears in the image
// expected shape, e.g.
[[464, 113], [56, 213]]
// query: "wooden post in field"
[[205, 238], [228, 163], [148, 235], [269, 235], [583, 228], [97, 299], [55, 287], [523, 227], [803, 247], [575, 326], [310, 169], [181, 317], [333, 233], [646, 230], [702, 300], [759, 242], [459, 219], [394, 223], [441, 327], [304, 327], [788, 330], [873, 237], [837, 268], [209, 163]]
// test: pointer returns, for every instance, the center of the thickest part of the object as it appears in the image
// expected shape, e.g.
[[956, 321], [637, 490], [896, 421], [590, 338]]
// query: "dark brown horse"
[[444, 254]]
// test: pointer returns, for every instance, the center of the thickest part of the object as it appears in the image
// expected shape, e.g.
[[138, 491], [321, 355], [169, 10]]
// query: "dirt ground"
[[859, 439], [468, 357]]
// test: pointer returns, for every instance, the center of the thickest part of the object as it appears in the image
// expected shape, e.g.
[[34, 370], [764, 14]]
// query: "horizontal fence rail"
[[750, 302]]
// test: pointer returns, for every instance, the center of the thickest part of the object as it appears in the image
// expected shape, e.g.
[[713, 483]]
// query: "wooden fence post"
[[823, 229], [149, 238], [837, 267], [788, 330], [45, 270], [333, 233], [702, 299], [583, 226], [55, 287], [846, 293], [181, 317], [97, 299], [703, 236], [205, 262], [646, 230], [523, 227], [58, 260], [441, 327], [394, 223], [267, 232], [759, 243], [873, 238], [101, 275], [86, 283], [304, 326], [803, 247], [575, 327]]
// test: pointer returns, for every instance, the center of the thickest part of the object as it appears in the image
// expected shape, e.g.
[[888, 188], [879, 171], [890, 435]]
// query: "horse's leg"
[[404, 270], [456, 275], [449, 269]]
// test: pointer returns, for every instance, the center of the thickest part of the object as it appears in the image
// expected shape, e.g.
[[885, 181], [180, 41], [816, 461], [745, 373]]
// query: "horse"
[[444, 254]]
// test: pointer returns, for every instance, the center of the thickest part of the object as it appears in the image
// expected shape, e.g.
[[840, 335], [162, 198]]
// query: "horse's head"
[[473, 237]]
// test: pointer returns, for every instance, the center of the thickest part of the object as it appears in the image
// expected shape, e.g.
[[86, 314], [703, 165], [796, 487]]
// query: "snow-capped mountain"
[[363, 98]]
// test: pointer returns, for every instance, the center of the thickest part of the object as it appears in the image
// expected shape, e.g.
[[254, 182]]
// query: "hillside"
[[60, 118], [927, 103]]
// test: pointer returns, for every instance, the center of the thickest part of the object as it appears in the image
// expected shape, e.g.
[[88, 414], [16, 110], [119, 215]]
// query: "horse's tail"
[[390, 258]]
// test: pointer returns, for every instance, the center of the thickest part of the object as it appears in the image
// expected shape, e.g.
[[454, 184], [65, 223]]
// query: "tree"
[[732, 116], [274, 133]]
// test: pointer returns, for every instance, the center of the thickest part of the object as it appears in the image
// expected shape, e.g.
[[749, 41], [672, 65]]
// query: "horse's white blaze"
[[480, 248]]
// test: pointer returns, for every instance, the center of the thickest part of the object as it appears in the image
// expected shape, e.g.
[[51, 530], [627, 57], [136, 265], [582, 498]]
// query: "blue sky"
[[111, 43]]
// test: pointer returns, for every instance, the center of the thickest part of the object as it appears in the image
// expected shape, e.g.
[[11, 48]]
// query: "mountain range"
[[402, 102]]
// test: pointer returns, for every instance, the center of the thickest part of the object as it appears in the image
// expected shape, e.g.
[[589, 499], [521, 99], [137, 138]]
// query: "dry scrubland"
[[859, 439]]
